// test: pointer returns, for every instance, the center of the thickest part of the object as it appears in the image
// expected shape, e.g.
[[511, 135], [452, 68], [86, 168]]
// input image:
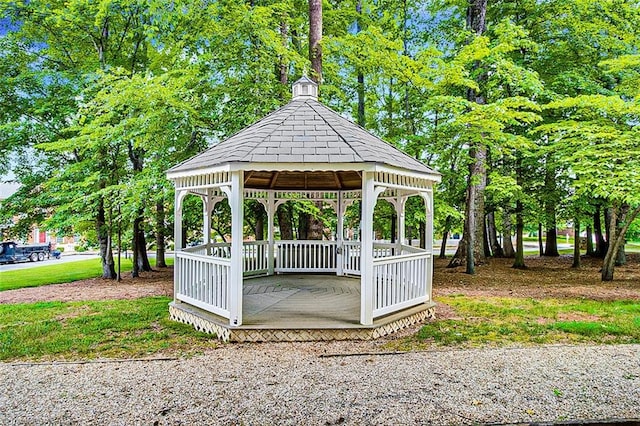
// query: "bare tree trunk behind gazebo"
[[284, 222], [361, 116], [315, 36], [314, 226]]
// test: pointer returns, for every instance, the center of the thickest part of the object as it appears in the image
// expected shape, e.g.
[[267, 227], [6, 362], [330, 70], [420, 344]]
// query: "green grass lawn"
[[52, 273], [84, 330], [502, 320], [141, 327]]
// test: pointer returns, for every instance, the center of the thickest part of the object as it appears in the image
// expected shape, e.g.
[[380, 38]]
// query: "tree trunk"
[[445, 236], [315, 225], [473, 234], [459, 257], [423, 235], [551, 246], [540, 243], [590, 250], [285, 222], [475, 204], [139, 247], [607, 226], [470, 244], [485, 240], [139, 243], [315, 37], [518, 262], [576, 245], [394, 225], [160, 230], [259, 213], [282, 67], [601, 245], [443, 246], [303, 226], [471, 247], [550, 187], [618, 233], [104, 241], [496, 249], [361, 112], [519, 259], [621, 257], [476, 16], [609, 259], [508, 250]]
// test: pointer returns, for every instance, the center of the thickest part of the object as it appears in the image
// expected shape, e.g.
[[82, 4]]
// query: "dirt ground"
[[544, 277], [156, 283]]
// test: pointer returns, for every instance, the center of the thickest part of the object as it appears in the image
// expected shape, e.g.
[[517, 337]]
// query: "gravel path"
[[293, 384]]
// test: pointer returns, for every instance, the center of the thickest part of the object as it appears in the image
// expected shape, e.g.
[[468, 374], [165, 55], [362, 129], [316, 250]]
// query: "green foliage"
[[598, 140]]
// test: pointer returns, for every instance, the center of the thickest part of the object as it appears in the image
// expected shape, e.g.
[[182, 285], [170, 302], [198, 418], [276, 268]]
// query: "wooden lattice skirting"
[[208, 323]]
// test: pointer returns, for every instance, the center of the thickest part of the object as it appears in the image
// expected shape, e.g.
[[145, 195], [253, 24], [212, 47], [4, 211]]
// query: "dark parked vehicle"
[[11, 252]]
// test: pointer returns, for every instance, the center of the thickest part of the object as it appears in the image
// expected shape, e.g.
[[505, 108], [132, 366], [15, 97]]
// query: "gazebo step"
[[218, 326]]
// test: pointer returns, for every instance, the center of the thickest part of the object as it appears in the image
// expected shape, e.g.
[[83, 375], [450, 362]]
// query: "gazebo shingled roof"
[[303, 132]]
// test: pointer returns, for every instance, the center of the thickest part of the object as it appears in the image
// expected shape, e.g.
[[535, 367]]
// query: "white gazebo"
[[272, 290]]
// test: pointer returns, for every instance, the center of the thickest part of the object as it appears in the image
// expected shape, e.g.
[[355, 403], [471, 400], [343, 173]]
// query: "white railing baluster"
[[204, 282], [401, 281], [307, 256]]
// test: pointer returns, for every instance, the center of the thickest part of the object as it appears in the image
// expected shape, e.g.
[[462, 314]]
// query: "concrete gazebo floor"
[[300, 307]]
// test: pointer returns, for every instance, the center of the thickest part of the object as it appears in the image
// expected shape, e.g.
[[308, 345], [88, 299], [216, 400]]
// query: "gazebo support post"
[[339, 234], [206, 220], [366, 249], [400, 204], [370, 194], [177, 236], [271, 209], [236, 202], [428, 203]]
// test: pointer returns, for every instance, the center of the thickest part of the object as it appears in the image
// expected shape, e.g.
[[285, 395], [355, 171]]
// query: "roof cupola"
[[305, 88]]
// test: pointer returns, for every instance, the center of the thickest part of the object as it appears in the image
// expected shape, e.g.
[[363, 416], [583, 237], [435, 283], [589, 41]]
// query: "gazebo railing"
[[351, 257], [255, 254], [400, 281], [306, 256], [203, 281], [400, 272], [384, 250], [256, 257]]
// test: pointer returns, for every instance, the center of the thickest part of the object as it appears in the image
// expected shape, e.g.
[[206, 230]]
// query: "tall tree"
[[310, 220], [471, 248]]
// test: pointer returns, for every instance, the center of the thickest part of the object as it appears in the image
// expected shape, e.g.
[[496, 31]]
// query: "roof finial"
[[305, 88]]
